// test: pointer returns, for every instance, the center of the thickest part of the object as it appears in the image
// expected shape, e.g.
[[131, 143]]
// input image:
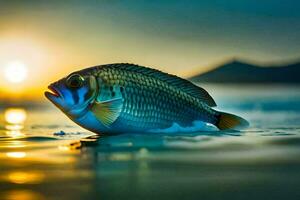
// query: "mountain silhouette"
[[241, 72]]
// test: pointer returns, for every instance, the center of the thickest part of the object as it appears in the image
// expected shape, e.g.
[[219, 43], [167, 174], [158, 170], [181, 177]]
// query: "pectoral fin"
[[108, 111]]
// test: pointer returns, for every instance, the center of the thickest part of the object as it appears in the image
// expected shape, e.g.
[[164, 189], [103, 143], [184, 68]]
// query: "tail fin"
[[231, 122]]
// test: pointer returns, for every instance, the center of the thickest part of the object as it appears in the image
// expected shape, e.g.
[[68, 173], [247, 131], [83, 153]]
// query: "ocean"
[[43, 155]]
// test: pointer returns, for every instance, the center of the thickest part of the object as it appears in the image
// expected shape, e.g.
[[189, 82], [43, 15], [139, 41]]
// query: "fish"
[[123, 98]]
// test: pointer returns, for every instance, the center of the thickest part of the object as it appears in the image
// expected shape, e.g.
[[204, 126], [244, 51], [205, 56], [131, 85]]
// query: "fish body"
[[118, 98]]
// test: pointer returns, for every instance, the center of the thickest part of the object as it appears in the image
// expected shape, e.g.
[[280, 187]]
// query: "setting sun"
[[15, 72]]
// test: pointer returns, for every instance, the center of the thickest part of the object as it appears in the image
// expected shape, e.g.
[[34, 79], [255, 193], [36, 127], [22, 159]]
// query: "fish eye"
[[75, 81]]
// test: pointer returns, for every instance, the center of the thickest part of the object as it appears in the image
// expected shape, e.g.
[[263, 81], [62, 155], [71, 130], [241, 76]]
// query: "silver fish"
[[118, 98]]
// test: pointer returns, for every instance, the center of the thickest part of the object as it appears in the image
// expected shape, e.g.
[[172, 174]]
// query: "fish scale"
[[163, 104]]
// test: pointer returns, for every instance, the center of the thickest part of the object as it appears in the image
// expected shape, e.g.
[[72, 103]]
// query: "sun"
[[15, 72]]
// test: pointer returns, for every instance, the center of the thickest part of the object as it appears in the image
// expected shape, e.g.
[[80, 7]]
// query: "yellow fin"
[[108, 111], [231, 122]]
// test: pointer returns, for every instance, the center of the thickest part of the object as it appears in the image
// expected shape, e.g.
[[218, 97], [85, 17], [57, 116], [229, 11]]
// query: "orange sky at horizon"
[[44, 66], [46, 63]]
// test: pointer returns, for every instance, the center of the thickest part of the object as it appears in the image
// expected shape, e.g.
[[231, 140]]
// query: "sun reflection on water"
[[15, 115], [21, 194], [15, 119], [16, 154], [29, 177]]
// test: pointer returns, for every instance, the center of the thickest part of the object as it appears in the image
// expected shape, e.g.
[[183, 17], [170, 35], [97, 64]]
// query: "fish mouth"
[[53, 93]]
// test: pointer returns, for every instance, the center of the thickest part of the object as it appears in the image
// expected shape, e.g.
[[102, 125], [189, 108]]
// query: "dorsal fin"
[[179, 83]]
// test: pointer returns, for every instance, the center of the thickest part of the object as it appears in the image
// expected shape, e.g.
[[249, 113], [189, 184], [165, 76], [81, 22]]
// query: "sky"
[[54, 38]]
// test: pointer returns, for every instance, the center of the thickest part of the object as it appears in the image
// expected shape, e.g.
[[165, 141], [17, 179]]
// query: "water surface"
[[43, 155]]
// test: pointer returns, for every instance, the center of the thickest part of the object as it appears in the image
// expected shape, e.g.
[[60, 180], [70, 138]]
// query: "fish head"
[[73, 94]]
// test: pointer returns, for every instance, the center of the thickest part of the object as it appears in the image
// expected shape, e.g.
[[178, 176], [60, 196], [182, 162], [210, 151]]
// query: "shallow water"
[[45, 156]]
